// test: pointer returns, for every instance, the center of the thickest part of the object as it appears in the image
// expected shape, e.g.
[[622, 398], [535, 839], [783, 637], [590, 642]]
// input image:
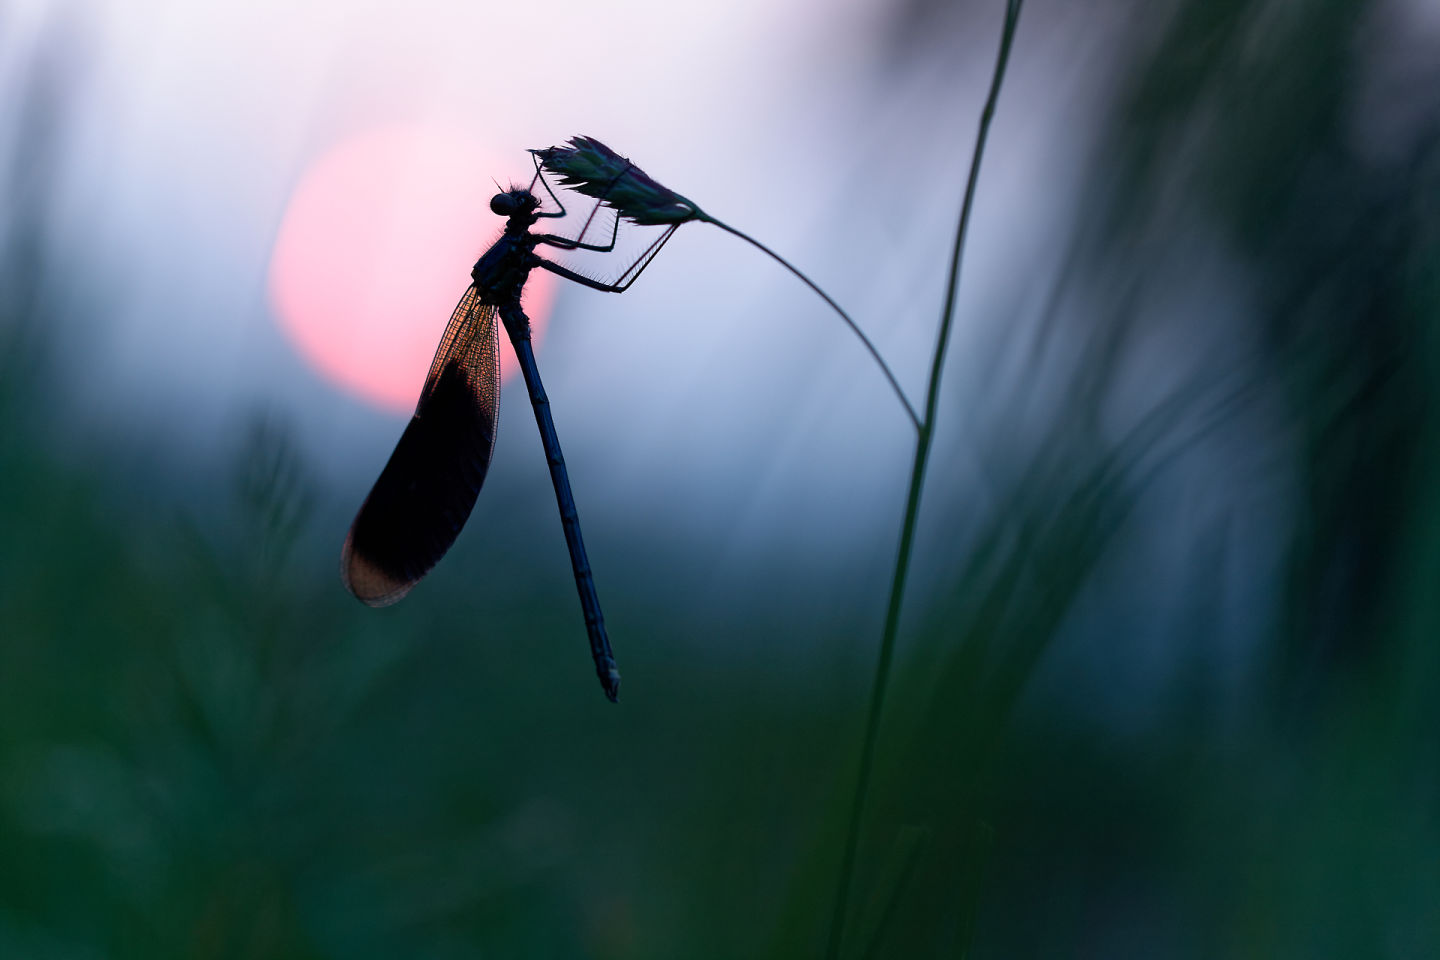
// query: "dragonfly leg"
[[627, 277], [578, 243], [565, 243], [540, 175]]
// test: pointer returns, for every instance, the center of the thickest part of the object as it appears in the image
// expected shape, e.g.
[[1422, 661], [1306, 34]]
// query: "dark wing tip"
[[365, 580]]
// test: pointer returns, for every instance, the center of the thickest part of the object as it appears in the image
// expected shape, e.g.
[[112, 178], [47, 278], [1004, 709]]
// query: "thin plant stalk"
[[854, 327], [924, 435], [588, 166]]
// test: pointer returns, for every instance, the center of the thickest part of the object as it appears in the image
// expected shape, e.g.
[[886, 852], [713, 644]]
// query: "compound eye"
[[502, 204]]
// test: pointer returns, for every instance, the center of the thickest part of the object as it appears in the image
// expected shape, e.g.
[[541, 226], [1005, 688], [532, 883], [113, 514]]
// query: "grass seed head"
[[589, 167]]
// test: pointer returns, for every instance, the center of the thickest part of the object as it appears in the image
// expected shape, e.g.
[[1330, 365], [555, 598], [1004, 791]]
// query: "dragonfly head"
[[512, 202]]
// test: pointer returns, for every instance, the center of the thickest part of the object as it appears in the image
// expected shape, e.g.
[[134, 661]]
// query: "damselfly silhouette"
[[428, 488]]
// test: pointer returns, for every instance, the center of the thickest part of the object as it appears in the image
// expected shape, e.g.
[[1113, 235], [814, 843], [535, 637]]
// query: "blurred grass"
[[207, 750]]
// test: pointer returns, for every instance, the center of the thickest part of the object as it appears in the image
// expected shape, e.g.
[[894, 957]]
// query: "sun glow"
[[374, 251]]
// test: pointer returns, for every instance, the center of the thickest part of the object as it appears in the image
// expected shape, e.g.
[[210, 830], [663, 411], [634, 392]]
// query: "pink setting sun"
[[375, 249]]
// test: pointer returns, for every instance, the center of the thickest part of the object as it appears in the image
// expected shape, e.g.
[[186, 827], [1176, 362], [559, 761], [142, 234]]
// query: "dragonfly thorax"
[[500, 273]]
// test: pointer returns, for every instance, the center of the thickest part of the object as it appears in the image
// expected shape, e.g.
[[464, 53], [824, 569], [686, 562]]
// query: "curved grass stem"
[[924, 436], [854, 327]]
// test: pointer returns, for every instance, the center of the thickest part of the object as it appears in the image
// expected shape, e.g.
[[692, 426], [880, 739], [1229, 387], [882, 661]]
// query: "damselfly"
[[428, 488]]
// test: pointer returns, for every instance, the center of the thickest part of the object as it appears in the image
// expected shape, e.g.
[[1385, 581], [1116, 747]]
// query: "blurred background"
[[1168, 680]]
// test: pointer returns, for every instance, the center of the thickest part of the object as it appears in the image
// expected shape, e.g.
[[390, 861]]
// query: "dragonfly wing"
[[427, 489]]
